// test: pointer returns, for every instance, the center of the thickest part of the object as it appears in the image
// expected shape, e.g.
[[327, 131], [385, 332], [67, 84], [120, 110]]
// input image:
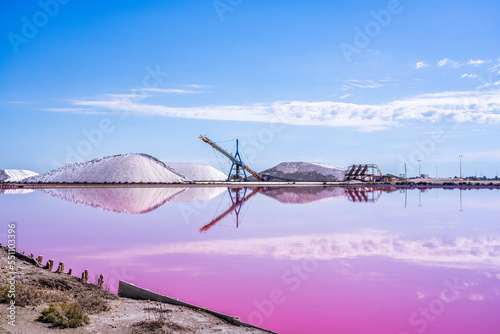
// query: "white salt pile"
[[130, 167], [15, 191], [306, 171], [14, 175], [198, 172]]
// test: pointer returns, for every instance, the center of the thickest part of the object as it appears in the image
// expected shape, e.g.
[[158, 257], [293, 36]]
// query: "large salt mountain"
[[130, 167], [197, 172], [13, 175], [306, 171]]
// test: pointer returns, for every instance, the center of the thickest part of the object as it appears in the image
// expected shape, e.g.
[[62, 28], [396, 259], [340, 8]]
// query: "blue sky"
[[386, 82]]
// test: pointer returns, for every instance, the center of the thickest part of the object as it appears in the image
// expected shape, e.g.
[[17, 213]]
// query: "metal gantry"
[[359, 172], [236, 160]]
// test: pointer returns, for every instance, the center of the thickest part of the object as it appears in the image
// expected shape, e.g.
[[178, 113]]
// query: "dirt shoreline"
[[123, 315]]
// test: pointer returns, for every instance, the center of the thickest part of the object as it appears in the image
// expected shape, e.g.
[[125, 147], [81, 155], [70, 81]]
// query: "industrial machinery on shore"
[[355, 172], [237, 163], [364, 172]]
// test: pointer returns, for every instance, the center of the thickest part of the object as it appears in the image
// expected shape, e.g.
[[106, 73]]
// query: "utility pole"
[[419, 174], [437, 172], [460, 156]]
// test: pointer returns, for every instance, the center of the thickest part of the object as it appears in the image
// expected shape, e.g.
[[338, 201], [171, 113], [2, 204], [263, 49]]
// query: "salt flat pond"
[[293, 260]]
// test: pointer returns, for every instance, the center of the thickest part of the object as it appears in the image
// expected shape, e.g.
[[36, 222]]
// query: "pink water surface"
[[403, 262]]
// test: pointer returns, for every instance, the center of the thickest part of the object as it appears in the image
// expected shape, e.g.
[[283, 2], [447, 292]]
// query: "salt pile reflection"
[[132, 200], [345, 260], [140, 200]]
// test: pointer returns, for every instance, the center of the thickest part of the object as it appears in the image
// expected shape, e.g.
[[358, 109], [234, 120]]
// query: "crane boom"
[[231, 209], [230, 157]]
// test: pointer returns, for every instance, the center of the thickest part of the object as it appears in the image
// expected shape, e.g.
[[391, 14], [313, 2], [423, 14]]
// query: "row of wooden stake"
[[60, 269]]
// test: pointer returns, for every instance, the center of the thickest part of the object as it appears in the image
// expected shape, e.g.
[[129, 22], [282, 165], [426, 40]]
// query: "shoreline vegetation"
[[48, 301]]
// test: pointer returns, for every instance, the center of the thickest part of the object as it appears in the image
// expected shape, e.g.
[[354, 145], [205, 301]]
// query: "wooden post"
[[39, 259], [50, 265], [31, 255], [60, 267], [85, 276], [100, 281], [70, 271]]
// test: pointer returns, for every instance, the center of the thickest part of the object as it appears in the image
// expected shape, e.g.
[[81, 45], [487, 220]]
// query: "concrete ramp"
[[132, 291]]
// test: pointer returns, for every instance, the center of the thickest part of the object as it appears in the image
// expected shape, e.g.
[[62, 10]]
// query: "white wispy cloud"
[[456, 64], [456, 107], [459, 252], [469, 76], [344, 96], [199, 86], [81, 111], [421, 64], [443, 62], [477, 61], [353, 83], [487, 84], [495, 68], [448, 62]]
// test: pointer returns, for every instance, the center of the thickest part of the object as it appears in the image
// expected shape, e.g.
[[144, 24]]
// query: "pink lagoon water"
[[292, 260]]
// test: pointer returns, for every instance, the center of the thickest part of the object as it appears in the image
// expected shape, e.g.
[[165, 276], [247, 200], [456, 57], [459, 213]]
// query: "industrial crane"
[[237, 163]]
